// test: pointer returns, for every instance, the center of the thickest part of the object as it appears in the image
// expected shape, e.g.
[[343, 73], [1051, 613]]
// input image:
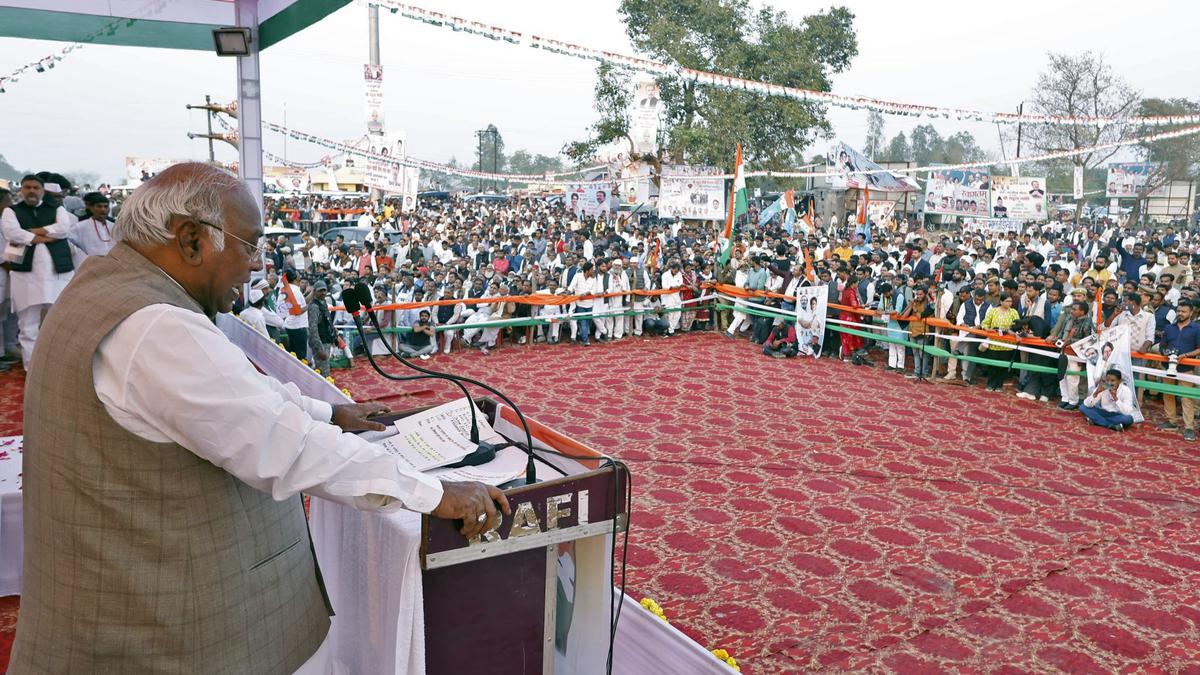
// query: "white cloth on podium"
[[12, 530], [373, 575]]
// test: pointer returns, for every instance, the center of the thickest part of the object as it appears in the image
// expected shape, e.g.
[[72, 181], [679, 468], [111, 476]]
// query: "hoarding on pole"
[[1130, 180], [958, 192]]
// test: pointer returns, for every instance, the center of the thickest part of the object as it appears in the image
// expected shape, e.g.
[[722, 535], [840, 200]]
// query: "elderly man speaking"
[[164, 531]]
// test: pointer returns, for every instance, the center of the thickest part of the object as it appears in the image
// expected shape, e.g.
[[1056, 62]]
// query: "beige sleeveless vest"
[[141, 557]]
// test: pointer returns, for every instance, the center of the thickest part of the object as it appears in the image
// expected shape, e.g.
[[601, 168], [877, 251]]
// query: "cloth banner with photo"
[[382, 174], [373, 80], [1129, 180], [692, 192], [137, 167], [993, 225], [644, 116], [589, 199], [958, 192], [811, 305], [285, 179], [1104, 351], [850, 165], [1020, 198]]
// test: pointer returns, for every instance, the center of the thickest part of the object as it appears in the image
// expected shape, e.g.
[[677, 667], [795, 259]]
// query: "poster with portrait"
[[1130, 179], [381, 172], [412, 179], [1021, 198], [993, 226], [1106, 350], [138, 169], [373, 80], [285, 179], [958, 192], [643, 116], [854, 171], [589, 199], [691, 192], [811, 303]]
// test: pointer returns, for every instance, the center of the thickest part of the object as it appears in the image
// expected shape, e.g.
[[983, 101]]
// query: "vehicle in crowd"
[[294, 237], [488, 198], [355, 235]]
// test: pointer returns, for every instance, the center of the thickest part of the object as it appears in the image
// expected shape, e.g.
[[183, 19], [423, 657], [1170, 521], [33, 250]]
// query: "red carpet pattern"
[[813, 515]]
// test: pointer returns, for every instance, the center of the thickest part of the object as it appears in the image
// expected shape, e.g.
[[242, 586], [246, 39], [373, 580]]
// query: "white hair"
[[190, 189]]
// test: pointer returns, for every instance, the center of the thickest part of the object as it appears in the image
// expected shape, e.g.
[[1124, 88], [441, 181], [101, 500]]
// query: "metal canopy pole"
[[250, 164]]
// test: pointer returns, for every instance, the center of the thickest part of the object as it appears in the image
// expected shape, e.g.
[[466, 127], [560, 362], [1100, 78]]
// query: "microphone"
[[484, 452], [362, 298]]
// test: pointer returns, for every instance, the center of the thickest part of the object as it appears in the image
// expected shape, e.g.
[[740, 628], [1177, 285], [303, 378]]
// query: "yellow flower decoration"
[[304, 361], [653, 607], [294, 354], [723, 655], [329, 380]]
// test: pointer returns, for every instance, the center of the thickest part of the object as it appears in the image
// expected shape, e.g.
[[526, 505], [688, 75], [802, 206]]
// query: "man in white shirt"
[[168, 388], [1110, 405], [43, 265], [93, 234], [672, 278], [585, 283], [293, 310]]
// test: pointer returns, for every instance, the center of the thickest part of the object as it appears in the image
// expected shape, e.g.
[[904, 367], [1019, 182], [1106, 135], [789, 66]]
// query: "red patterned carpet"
[[813, 515]]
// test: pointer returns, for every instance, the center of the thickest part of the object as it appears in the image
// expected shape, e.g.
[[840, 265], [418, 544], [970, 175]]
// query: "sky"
[[104, 103]]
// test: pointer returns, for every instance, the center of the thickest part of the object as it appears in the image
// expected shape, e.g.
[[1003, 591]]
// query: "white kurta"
[[93, 237], [672, 280], [42, 285]]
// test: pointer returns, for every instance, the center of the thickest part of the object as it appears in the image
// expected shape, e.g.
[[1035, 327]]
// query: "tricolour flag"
[[738, 206]]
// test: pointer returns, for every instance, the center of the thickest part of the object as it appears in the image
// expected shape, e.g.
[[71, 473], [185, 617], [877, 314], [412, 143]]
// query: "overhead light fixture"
[[232, 41]]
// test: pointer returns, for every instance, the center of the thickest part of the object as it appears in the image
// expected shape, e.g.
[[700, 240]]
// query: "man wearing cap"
[[615, 281], [39, 255], [321, 338], [93, 234]]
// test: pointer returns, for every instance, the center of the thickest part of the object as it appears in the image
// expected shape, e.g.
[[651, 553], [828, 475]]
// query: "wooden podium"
[[531, 595]]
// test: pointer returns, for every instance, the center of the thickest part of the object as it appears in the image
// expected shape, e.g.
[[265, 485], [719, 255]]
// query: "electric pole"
[[1020, 111], [211, 109], [373, 59]]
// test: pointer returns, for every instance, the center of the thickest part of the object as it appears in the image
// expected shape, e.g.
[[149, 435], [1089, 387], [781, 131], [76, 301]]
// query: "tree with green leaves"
[[703, 124], [489, 150], [873, 145], [898, 149]]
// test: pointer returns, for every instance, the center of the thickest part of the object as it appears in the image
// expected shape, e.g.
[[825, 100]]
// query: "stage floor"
[[812, 515]]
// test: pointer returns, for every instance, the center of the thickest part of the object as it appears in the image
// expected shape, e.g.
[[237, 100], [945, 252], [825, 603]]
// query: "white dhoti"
[[32, 294]]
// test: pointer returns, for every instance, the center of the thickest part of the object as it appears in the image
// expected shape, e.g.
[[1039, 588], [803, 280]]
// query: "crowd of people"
[[660, 277]]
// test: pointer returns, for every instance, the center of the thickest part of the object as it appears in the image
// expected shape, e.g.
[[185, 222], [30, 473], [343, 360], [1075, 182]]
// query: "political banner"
[[993, 225], [285, 179], [589, 199], [411, 185], [139, 169], [692, 192], [856, 171], [643, 117], [1130, 179], [879, 211], [380, 172], [1101, 352], [1077, 183], [957, 192], [1021, 198], [636, 185], [373, 79], [811, 303]]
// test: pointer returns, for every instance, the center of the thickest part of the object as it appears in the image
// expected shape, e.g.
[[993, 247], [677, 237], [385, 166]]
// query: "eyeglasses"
[[255, 251]]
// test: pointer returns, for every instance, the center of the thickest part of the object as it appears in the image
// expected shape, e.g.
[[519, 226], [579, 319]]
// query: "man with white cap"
[[616, 281], [36, 229]]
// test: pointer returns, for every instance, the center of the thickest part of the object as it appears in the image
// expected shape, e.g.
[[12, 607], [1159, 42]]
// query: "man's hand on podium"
[[353, 416], [473, 503]]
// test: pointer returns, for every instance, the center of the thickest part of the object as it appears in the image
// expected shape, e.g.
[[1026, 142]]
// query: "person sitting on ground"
[[1110, 405], [781, 343], [420, 341]]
